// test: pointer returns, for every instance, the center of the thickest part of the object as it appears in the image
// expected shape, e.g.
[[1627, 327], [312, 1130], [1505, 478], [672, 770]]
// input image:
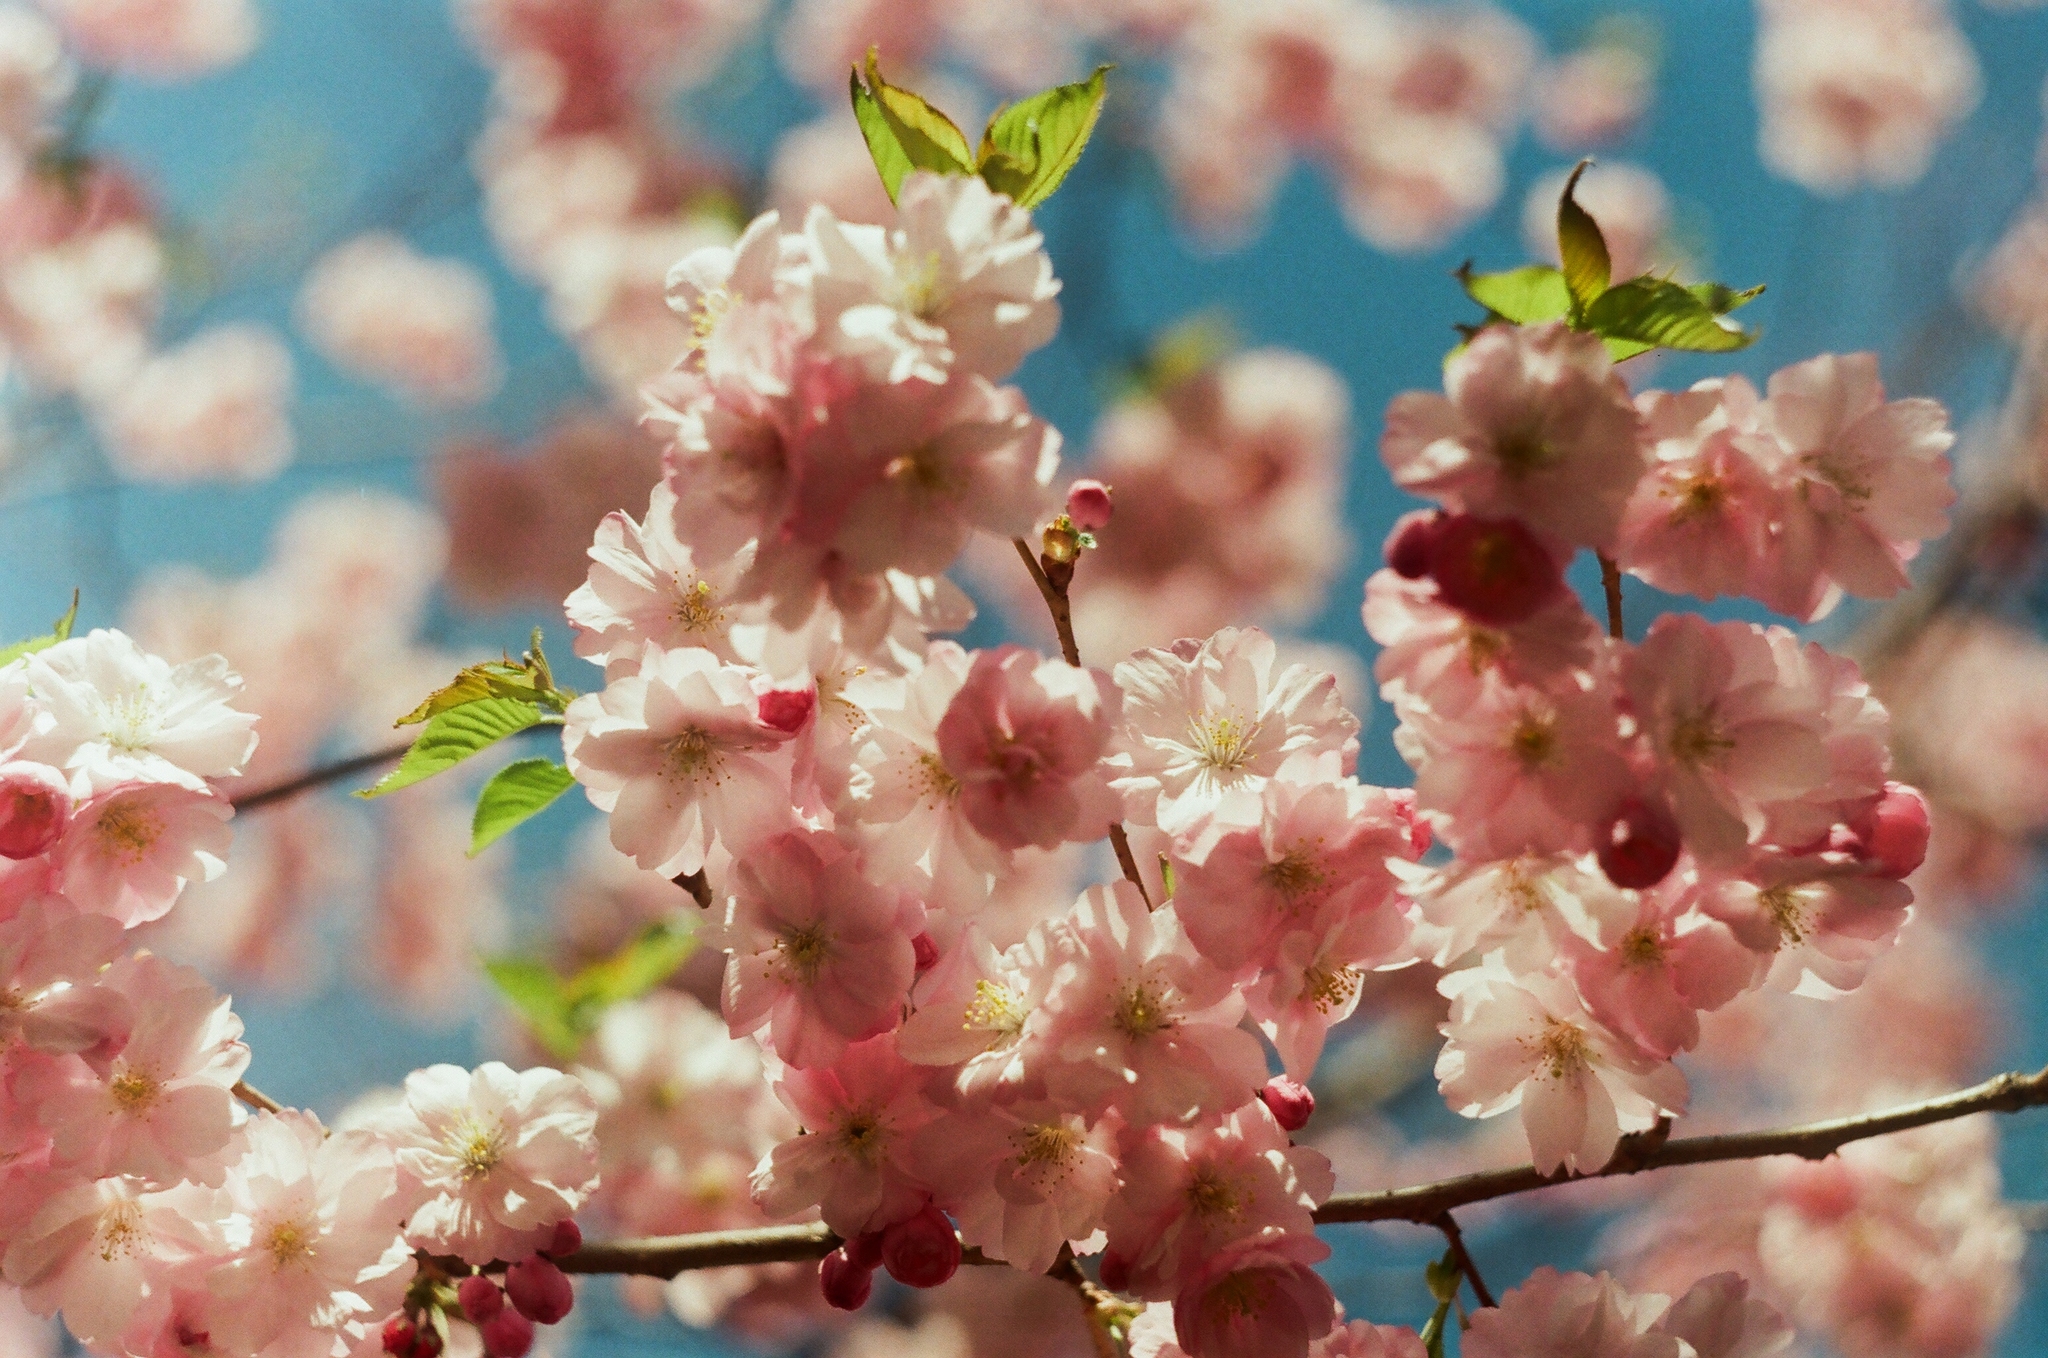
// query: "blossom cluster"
[[141, 1200]]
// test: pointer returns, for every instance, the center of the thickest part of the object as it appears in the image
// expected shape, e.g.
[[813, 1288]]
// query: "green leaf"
[[1525, 296], [635, 969], [59, 631], [1722, 299], [533, 989], [922, 137], [454, 735], [528, 679], [516, 793], [1587, 268], [1041, 139], [1655, 313]]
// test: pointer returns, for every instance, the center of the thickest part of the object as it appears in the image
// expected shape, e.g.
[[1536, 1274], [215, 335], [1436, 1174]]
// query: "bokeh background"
[[352, 116]]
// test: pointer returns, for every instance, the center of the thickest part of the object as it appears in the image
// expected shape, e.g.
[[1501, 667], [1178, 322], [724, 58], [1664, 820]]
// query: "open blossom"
[[419, 326], [494, 1158], [972, 1011], [1022, 1179], [679, 756], [1534, 425], [216, 406], [855, 1161], [1526, 907], [740, 308], [961, 282], [98, 1249], [123, 715], [1671, 963], [819, 956], [1207, 723], [1527, 1041], [129, 852], [1024, 737], [645, 586], [1438, 655], [161, 39], [1820, 922], [1139, 1019], [1190, 1193], [50, 958], [160, 1109], [1259, 1299]]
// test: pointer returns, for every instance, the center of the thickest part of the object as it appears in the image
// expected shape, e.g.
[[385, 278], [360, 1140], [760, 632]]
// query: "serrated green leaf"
[[1045, 135], [59, 631], [1003, 172], [1587, 268], [528, 679], [1722, 299], [516, 793], [923, 137], [890, 161], [1655, 313], [1525, 296], [635, 969], [533, 989], [454, 735]]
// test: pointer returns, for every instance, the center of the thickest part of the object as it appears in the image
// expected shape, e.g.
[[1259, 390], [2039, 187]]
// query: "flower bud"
[[34, 809], [568, 1239], [1899, 830], [1115, 1271], [922, 1251], [540, 1290], [399, 1333], [927, 952], [1642, 844], [1088, 505], [1290, 1101], [1495, 571], [480, 1298], [507, 1334], [846, 1284], [865, 1249], [1062, 544], [787, 709], [1412, 543]]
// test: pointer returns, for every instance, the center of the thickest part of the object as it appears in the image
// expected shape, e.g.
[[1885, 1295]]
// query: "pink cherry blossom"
[[1671, 963], [1569, 1315], [819, 957], [1258, 1300], [1821, 922], [50, 959], [1024, 736], [741, 307], [1528, 1041], [35, 808], [1316, 974], [1718, 1319], [1022, 1179], [217, 406], [855, 1163], [1207, 723], [1436, 655], [160, 1109], [1527, 907], [159, 39], [646, 587], [1593, 96], [1535, 425], [960, 282], [122, 715], [97, 1249], [1363, 1339], [679, 757], [130, 851], [972, 1011], [1191, 1193], [494, 1157], [1137, 1017], [419, 326]]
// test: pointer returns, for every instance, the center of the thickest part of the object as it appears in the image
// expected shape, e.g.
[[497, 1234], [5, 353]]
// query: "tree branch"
[[1456, 1237], [256, 1098], [319, 777], [1610, 584], [1425, 1204]]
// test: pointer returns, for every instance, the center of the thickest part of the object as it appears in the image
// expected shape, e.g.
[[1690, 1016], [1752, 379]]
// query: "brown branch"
[[1425, 1204], [1456, 1237], [256, 1098], [319, 777], [1610, 583]]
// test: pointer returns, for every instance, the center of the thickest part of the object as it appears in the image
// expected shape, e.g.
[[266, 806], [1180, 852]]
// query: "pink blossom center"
[[689, 756], [1642, 947], [1562, 1047], [696, 607], [121, 1232], [1696, 739], [127, 830], [1142, 1010], [1330, 990], [995, 1008], [1222, 742], [933, 781], [133, 1089], [862, 1137], [804, 950], [289, 1242], [1523, 451], [1210, 1193], [1788, 910], [1534, 740], [476, 1145], [1297, 874]]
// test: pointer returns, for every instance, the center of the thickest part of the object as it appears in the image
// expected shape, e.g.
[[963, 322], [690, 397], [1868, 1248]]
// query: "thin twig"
[[256, 1098], [319, 777], [1456, 1237], [1424, 1204], [1610, 582]]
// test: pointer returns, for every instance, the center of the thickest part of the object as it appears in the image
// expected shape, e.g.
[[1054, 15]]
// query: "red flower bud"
[[398, 1335], [1495, 571], [1088, 505], [1115, 1271], [846, 1285], [922, 1251], [568, 1239], [540, 1290], [1413, 542], [1642, 844], [33, 814], [787, 709], [926, 950], [507, 1334], [480, 1298], [865, 1249], [1290, 1101], [1899, 830]]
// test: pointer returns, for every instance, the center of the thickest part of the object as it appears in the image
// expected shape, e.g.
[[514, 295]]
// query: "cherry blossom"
[[419, 326], [645, 587], [856, 1161], [1260, 1300], [129, 852], [161, 39], [1023, 1179], [217, 406]]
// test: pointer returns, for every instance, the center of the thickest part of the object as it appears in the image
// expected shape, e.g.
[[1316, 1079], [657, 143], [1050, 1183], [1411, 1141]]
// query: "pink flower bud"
[[1115, 1271], [34, 809], [507, 1334], [398, 1336], [1642, 845], [1899, 830], [1413, 542], [926, 950], [787, 709], [1821, 1190], [568, 1239], [865, 1249], [1290, 1101], [1088, 505], [1494, 570], [923, 1251], [846, 1284], [480, 1298], [540, 1290]]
